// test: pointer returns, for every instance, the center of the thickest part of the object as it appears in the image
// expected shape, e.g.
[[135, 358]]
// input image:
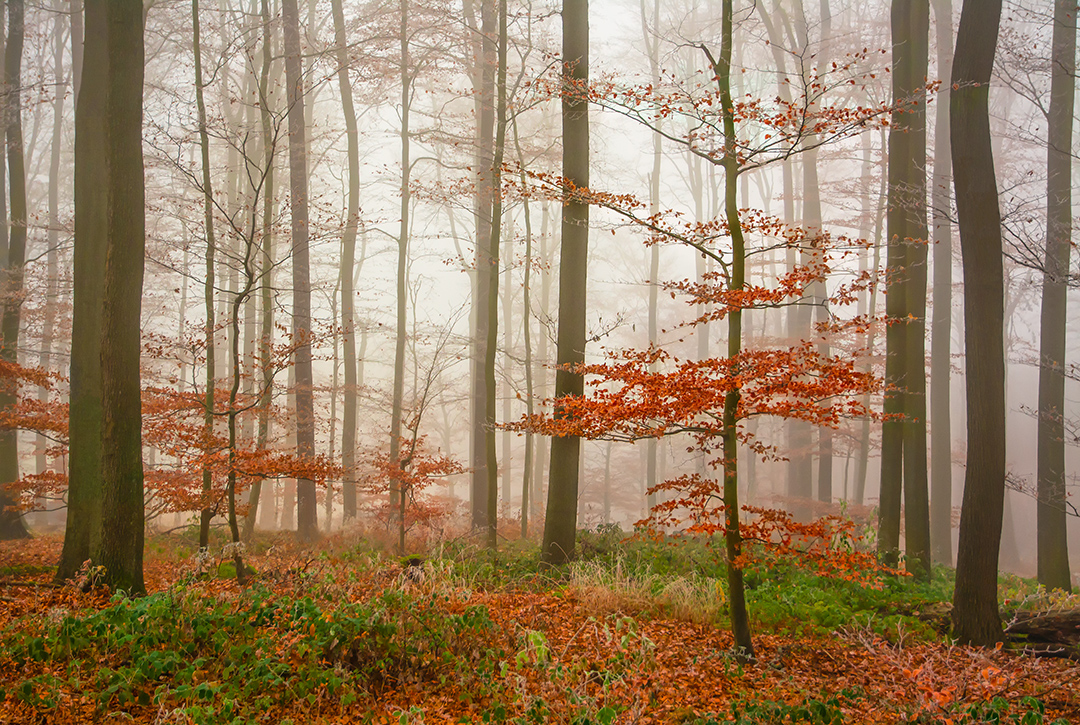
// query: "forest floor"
[[635, 634]]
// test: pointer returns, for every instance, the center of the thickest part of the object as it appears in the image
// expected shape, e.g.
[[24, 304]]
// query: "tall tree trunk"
[[812, 218], [975, 609], [1053, 544], [492, 270], [652, 444], [740, 619], [307, 524], [52, 264], [907, 288], [120, 549], [266, 330], [247, 282], [207, 512], [916, 486], [863, 464], [83, 527], [348, 262], [539, 498], [800, 433], [527, 503], [941, 330], [560, 526], [506, 470], [485, 153], [11, 523], [904, 358], [398, 494]]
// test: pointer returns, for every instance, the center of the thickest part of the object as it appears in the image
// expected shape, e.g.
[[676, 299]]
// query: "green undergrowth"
[[686, 577], [221, 660], [26, 570], [822, 710], [208, 657]]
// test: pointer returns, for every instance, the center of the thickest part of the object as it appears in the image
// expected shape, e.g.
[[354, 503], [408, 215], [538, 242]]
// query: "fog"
[[445, 170]]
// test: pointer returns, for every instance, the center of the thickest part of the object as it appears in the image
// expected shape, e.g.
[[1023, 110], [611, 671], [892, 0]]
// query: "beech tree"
[[348, 263], [941, 332], [120, 548], [83, 527], [306, 505], [975, 611], [14, 257], [484, 50], [1053, 548], [903, 447], [560, 526]]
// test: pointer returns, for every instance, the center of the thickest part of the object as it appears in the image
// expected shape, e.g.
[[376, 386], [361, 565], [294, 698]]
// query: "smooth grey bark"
[[52, 263], [307, 524], [975, 614], [560, 526], [528, 504], [863, 463], [257, 498], [506, 308], [819, 294], [492, 271], [484, 87], [546, 251], [398, 494], [348, 262], [1053, 546], [800, 315], [941, 327], [653, 255]]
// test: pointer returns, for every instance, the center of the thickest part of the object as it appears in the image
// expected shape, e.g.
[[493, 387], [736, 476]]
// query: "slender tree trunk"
[[652, 444], [76, 47], [812, 219], [266, 331], [863, 464], [52, 265], [11, 523], [398, 493], [1053, 546], [348, 262], [120, 549], [799, 473], [83, 527], [247, 285], [560, 526], [906, 226], [506, 470], [740, 619], [539, 498], [975, 609], [481, 303], [492, 270], [941, 330], [907, 235], [307, 524], [526, 326], [207, 512]]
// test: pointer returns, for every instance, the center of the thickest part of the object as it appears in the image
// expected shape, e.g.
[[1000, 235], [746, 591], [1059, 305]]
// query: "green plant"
[[997, 711], [811, 711]]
